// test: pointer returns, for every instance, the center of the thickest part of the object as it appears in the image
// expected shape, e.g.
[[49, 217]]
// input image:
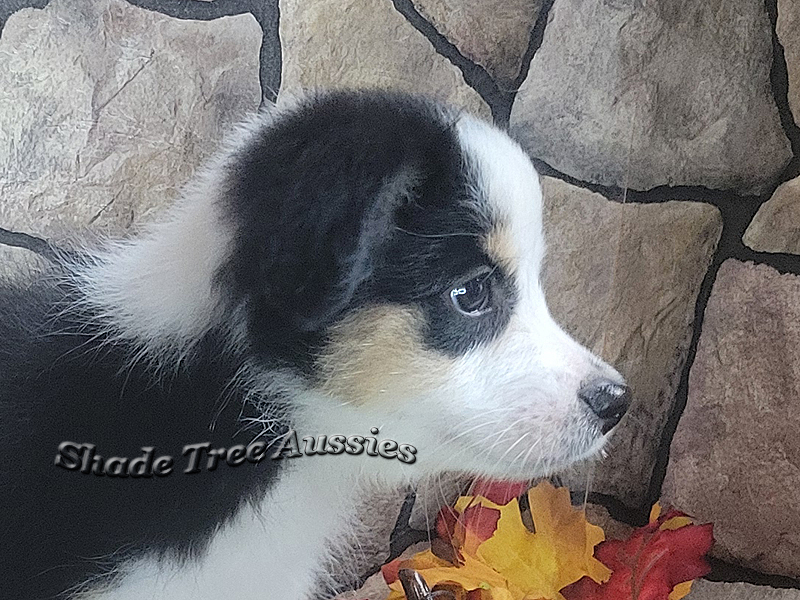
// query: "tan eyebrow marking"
[[499, 245]]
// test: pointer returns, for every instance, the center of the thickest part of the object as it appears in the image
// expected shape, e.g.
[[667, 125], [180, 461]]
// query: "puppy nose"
[[608, 400]]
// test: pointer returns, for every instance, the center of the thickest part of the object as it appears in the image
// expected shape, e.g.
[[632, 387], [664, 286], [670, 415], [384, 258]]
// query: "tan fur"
[[501, 248], [378, 353]]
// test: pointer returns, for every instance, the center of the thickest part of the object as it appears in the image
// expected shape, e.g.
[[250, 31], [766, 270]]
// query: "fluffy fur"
[[353, 261]]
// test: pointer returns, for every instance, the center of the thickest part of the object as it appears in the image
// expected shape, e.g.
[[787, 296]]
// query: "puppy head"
[[389, 250]]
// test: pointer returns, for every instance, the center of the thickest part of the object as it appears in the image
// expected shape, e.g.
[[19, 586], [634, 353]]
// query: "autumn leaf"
[[472, 575], [657, 562], [472, 520], [484, 551], [464, 528], [558, 554], [499, 492], [495, 557]]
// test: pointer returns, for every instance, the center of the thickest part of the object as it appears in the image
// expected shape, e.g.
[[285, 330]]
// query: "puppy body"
[[355, 261]]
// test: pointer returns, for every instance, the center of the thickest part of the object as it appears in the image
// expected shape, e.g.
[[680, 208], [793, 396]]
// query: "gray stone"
[[788, 30], [107, 109], [642, 93], [364, 44], [623, 279], [614, 530], [735, 457], [492, 33], [776, 226], [713, 590]]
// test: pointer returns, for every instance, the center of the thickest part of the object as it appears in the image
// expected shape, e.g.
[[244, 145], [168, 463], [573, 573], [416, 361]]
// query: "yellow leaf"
[[681, 590], [473, 574], [655, 512], [501, 594], [515, 564], [675, 523], [671, 524], [558, 554]]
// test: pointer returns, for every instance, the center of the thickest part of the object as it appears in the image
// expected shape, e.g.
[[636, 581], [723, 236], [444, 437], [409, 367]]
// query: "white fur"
[[279, 548], [157, 288], [526, 381]]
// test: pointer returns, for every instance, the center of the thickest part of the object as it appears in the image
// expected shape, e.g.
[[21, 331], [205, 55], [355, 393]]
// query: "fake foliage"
[[485, 551]]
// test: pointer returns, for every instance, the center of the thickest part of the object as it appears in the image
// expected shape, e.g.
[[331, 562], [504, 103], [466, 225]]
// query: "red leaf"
[[446, 523], [649, 564], [480, 521], [464, 531], [391, 571], [499, 492]]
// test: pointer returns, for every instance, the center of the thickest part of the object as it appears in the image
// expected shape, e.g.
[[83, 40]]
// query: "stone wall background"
[[666, 133]]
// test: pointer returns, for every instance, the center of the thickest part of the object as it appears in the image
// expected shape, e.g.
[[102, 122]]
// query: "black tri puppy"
[[349, 262]]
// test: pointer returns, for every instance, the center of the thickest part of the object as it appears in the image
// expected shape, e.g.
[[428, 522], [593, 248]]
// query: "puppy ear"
[[315, 195]]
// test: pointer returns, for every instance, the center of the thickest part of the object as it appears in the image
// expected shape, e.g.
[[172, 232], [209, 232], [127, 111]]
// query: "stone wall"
[[666, 133]]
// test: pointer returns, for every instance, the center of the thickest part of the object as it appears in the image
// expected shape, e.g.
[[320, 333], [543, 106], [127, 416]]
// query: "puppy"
[[359, 266]]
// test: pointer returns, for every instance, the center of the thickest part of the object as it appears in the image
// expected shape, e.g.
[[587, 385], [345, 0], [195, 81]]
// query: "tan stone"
[[614, 530], [713, 590], [364, 44], [638, 94], [788, 30], [735, 457], [107, 109], [776, 226], [492, 33], [623, 279]]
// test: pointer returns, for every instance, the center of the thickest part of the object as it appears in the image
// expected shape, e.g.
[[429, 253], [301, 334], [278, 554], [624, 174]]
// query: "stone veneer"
[[735, 454], [108, 107]]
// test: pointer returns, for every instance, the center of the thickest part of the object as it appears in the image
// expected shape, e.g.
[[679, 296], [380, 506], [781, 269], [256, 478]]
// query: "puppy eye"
[[473, 298]]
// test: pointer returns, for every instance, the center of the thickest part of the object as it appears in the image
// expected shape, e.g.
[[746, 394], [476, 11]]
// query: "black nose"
[[608, 400]]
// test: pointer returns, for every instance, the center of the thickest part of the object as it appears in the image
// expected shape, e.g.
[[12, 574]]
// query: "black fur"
[[360, 200], [57, 384], [356, 199]]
